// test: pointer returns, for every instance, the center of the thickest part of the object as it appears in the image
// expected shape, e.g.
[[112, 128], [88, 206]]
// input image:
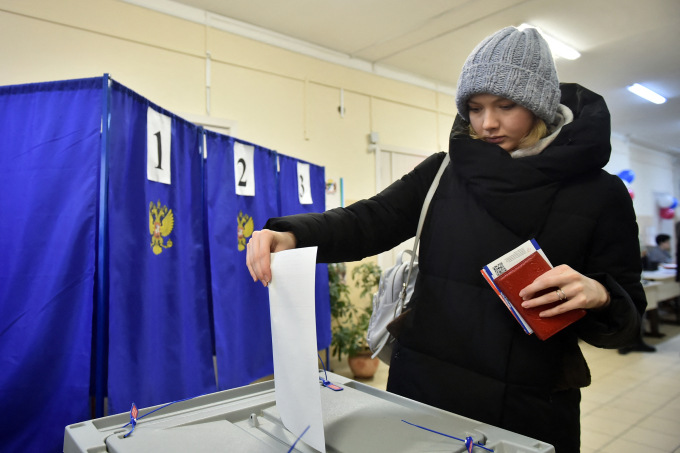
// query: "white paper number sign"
[[244, 169], [304, 186], [158, 143]]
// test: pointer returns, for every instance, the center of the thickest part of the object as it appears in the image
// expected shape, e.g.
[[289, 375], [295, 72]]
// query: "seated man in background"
[[661, 254]]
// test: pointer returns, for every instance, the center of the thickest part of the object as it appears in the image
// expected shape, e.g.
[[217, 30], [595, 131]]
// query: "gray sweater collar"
[[563, 117]]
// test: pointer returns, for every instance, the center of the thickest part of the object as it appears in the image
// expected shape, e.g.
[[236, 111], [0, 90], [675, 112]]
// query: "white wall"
[[278, 98], [655, 172]]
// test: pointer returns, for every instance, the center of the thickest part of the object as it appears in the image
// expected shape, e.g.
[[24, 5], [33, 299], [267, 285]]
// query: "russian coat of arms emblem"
[[245, 229], [161, 222]]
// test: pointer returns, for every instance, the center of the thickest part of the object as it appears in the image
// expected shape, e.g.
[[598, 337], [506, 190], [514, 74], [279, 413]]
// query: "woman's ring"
[[561, 294]]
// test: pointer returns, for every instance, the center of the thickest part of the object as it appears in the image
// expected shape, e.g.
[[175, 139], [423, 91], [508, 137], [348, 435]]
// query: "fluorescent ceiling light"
[[558, 48], [646, 93]]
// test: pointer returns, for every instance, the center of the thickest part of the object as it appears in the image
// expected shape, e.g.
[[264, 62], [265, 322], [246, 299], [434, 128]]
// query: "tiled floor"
[[633, 404]]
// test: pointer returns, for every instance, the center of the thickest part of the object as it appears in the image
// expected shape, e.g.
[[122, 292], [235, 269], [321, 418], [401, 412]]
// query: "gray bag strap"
[[421, 221]]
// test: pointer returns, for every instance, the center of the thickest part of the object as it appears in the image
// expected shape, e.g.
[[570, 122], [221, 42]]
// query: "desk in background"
[[659, 286]]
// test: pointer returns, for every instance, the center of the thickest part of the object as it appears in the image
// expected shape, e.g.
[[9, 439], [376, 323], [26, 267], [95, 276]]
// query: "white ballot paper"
[[296, 369]]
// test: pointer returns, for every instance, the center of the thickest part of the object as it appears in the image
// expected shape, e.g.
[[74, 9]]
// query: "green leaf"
[[350, 324]]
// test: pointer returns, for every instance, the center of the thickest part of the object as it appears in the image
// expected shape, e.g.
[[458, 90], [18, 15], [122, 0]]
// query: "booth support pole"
[[102, 246], [203, 150]]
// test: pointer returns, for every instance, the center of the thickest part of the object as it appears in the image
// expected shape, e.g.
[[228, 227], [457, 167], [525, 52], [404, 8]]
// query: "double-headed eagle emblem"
[[245, 229], [161, 222]]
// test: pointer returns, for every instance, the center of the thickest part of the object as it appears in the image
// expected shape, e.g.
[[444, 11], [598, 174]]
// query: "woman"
[[526, 162]]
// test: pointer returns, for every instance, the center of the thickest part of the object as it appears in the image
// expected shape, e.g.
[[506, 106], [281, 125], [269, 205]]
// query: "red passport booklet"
[[521, 275]]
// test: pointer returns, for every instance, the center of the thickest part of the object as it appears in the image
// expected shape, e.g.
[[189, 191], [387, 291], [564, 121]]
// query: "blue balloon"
[[675, 203], [627, 175]]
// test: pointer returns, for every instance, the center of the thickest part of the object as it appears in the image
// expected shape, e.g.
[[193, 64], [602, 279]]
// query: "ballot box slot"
[[269, 429], [232, 414]]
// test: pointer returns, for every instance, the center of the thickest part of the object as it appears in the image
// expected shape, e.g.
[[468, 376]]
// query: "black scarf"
[[519, 192]]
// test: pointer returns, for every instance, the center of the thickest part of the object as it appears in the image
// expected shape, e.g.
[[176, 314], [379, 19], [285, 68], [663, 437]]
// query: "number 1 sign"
[[158, 143], [244, 169]]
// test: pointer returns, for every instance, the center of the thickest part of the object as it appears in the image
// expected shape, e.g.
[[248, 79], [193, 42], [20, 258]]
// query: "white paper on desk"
[[296, 369]]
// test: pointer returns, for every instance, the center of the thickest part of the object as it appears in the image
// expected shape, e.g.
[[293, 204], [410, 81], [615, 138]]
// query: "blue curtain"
[[241, 308], [49, 168], [159, 330], [289, 205], [160, 281]]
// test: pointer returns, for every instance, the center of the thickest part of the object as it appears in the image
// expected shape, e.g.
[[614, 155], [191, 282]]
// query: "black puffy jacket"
[[460, 349]]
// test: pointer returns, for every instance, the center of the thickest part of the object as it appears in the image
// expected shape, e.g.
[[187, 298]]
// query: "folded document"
[[514, 271]]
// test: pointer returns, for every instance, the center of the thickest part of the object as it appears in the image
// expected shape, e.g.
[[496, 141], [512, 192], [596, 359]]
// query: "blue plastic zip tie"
[[296, 440], [469, 443], [133, 411]]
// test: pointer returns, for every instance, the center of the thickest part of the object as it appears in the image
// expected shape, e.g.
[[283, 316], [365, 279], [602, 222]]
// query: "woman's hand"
[[260, 246], [579, 290]]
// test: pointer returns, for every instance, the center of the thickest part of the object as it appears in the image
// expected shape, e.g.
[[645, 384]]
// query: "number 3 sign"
[[244, 169], [304, 186]]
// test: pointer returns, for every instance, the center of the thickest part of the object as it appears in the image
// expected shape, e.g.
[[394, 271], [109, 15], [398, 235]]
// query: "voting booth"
[[122, 239], [158, 325], [302, 189], [357, 419], [241, 194], [49, 168]]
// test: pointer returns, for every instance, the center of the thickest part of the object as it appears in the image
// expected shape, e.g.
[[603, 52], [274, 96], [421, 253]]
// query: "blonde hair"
[[537, 132]]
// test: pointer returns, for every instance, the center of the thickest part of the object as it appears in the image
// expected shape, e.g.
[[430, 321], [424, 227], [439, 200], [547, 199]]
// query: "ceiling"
[[621, 42]]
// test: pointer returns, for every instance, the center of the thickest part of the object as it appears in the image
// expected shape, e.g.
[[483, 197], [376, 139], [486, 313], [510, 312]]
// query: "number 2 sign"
[[304, 186], [244, 169]]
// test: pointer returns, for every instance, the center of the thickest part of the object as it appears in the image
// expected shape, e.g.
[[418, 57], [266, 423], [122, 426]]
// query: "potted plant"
[[350, 324]]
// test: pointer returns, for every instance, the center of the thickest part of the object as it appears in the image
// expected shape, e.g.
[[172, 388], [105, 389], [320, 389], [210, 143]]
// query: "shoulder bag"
[[396, 287]]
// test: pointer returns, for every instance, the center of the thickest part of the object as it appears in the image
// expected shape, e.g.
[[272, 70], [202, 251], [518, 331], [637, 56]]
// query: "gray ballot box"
[[357, 419]]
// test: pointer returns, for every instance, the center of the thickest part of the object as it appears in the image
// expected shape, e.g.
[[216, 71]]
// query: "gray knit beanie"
[[516, 65]]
